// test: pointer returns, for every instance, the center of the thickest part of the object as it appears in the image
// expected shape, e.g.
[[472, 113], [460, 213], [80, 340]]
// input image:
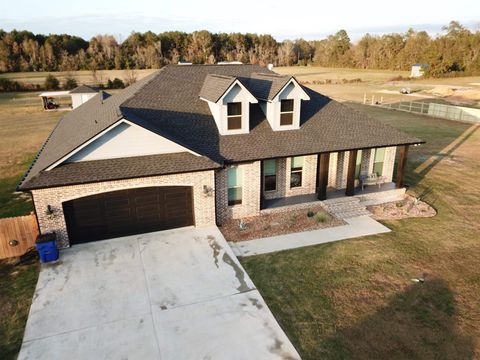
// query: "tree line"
[[454, 52]]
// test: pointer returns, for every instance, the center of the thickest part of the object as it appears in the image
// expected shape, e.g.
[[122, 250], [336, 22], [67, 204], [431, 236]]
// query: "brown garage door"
[[128, 212]]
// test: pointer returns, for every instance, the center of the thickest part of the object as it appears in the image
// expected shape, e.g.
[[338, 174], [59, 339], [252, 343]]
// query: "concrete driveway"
[[177, 294]]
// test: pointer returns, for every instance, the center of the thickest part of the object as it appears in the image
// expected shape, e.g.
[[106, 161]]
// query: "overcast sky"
[[283, 19]]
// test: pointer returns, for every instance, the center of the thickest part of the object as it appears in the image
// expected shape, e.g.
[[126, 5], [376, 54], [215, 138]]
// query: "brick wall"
[[332, 170], [204, 205], [309, 177], [250, 205]]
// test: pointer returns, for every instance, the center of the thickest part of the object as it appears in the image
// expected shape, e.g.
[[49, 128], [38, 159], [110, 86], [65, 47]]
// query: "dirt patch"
[[406, 208], [278, 224]]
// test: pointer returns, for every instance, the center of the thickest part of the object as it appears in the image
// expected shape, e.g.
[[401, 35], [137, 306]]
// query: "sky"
[[282, 19]]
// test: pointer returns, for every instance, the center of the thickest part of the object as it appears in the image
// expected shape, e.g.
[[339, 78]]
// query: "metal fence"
[[451, 112]]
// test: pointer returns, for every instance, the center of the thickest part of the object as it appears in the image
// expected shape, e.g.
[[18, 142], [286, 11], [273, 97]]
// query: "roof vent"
[[230, 63]]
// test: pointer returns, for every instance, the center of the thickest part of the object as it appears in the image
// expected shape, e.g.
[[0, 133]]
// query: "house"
[[82, 94], [417, 70], [198, 145]]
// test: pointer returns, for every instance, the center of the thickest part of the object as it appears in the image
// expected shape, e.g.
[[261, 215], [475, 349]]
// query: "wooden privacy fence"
[[20, 229]]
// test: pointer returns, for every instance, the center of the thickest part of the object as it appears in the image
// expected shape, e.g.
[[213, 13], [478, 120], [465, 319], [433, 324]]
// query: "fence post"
[[364, 98], [373, 99]]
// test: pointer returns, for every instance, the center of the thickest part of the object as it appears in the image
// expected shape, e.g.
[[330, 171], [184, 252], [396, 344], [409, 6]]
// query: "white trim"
[[252, 99], [292, 79], [114, 125]]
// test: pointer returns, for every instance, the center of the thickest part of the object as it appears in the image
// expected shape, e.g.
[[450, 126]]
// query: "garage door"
[[128, 212]]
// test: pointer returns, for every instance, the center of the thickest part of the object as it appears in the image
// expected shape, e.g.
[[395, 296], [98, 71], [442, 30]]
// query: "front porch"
[[329, 176], [370, 195]]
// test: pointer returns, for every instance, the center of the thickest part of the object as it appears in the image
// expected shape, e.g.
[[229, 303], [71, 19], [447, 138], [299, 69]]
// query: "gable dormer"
[[280, 99], [229, 102]]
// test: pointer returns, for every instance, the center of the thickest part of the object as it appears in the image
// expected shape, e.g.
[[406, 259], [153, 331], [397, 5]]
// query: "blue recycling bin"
[[47, 247]]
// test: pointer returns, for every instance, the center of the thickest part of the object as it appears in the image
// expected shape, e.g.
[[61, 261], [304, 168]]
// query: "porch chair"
[[372, 179]]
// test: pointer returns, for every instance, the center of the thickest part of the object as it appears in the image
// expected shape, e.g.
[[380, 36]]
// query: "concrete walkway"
[[356, 227], [171, 295]]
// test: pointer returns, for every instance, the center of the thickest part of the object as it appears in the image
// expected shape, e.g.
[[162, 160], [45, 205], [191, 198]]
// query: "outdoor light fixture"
[[207, 190], [13, 242], [50, 210]]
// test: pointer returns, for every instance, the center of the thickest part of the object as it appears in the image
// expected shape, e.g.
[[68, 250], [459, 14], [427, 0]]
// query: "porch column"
[[323, 164], [402, 162], [352, 160]]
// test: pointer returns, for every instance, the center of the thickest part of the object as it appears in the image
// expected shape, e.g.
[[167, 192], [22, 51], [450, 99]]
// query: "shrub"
[[70, 83], [321, 217], [9, 85], [51, 83], [115, 84], [310, 213]]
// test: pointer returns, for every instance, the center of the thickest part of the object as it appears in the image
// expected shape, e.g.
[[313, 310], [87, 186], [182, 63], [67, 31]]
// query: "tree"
[[70, 83], [51, 83]]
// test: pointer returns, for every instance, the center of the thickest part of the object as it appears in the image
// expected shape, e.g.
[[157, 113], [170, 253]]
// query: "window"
[[234, 116], [235, 181], [379, 158], [296, 171], [358, 164], [286, 112], [270, 175]]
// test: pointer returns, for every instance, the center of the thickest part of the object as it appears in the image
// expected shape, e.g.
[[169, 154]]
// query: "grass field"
[[355, 299], [82, 77], [23, 129], [377, 83]]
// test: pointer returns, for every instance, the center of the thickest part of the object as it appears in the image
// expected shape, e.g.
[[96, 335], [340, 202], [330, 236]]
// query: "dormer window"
[[229, 102], [234, 116], [286, 112]]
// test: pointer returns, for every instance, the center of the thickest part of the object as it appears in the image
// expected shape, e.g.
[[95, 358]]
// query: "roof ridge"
[[153, 76], [272, 74], [223, 76]]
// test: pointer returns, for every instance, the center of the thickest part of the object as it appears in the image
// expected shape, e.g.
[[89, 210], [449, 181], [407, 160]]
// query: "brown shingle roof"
[[80, 125], [215, 86], [168, 103], [84, 89], [267, 86], [122, 168]]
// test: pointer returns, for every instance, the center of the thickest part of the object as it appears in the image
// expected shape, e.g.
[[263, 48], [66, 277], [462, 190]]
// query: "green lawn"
[[23, 129], [17, 284], [355, 299]]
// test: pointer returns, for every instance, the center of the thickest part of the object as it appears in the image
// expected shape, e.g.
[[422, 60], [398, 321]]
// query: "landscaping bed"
[[406, 208], [285, 222]]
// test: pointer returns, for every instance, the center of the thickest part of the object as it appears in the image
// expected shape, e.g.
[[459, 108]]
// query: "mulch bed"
[[406, 208], [279, 223]]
